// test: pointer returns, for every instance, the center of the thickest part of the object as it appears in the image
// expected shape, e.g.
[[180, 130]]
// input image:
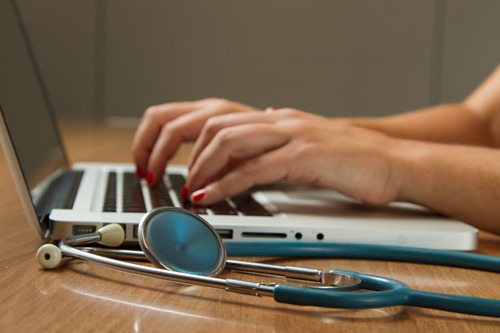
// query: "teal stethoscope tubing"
[[385, 292], [389, 292], [364, 251]]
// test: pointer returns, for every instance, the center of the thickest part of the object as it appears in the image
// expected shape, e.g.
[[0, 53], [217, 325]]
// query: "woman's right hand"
[[163, 128]]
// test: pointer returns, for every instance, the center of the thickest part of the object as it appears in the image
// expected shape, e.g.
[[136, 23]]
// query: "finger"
[[186, 126], [263, 169], [172, 135], [237, 142], [216, 124], [150, 127]]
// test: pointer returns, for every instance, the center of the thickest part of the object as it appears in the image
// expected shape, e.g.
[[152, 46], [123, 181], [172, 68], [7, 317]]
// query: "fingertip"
[[138, 171], [153, 177], [207, 195], [204, 197], [149, 177], [141, 161], [198, 196], [184, 193]]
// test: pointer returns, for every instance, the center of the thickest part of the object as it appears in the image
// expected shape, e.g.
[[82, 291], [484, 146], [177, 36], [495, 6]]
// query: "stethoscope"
[[186, 249]]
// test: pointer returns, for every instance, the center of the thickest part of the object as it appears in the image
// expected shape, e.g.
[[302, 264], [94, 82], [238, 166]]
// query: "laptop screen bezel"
[[39, 224], [20, 182]]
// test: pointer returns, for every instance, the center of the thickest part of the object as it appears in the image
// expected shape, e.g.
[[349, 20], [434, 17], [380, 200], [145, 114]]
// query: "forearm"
[[475, 121], [459, 181], [449, 123]]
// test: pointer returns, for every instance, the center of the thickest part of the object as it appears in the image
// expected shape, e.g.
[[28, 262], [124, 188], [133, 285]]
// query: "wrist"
[[410, 172]]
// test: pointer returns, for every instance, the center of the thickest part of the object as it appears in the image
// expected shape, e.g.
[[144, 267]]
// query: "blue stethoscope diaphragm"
[[179, 240]]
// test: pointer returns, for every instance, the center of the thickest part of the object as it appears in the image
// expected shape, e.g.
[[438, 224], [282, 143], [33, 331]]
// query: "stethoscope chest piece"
[[179, 240]]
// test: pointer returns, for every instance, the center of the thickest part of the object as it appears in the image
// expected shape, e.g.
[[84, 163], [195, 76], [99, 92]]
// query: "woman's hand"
[[239, 146], [237, 151], [164, 127]]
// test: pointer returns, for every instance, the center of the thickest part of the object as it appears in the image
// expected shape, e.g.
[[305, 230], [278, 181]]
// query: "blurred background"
[[114, 58]]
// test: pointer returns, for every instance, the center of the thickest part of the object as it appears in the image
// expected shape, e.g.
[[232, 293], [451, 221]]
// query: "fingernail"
[[198, 195], [138, 172], [270, 108], [184, 192], [149, 177]]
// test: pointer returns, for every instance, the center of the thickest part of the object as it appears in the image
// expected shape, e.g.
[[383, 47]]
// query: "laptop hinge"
[[45, 225], [61, 193]]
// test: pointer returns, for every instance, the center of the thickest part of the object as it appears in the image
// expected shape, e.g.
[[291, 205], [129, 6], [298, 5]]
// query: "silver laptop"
[[60, 200]]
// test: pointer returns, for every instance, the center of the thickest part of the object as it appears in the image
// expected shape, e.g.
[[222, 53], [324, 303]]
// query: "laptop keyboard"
[[161, 194]]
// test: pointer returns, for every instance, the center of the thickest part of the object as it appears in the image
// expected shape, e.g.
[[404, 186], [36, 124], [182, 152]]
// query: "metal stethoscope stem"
[[339, 281], [105, 257], [257, 289]]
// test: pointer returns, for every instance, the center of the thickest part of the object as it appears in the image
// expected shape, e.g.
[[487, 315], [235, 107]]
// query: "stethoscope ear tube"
[[368, 252], [454, 303], [314, 297]]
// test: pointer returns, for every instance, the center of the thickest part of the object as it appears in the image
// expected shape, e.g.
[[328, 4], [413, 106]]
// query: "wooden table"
[[84, 298]]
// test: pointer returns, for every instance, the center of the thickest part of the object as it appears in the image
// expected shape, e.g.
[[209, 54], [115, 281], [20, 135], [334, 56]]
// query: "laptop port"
[[225, 233], [263, 234], [80, 229]]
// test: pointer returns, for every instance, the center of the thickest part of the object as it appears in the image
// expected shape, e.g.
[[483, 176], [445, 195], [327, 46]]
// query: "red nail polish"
[[149, 177], [138, 172], [198, 195], [184, 193]]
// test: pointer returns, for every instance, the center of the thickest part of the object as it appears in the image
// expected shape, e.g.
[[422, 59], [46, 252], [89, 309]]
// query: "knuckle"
[[290, 113], [219, 104], [213, 125], [156, 113], [298, 127], [249, 170], [152, 112], [210, 100], [309, 150], [225, 136], [137, 150], [170, 131], [248, 174]]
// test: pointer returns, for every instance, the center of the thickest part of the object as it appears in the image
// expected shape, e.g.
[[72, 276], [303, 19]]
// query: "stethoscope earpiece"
[[49, 256]]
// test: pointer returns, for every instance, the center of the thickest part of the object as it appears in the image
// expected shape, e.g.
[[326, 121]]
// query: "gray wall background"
[[337, 58]]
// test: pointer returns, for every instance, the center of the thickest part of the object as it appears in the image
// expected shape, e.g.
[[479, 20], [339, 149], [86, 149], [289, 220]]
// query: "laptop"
[[61, 200]]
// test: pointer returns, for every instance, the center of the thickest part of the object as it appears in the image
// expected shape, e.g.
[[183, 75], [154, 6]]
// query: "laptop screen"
[[25, 106]]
